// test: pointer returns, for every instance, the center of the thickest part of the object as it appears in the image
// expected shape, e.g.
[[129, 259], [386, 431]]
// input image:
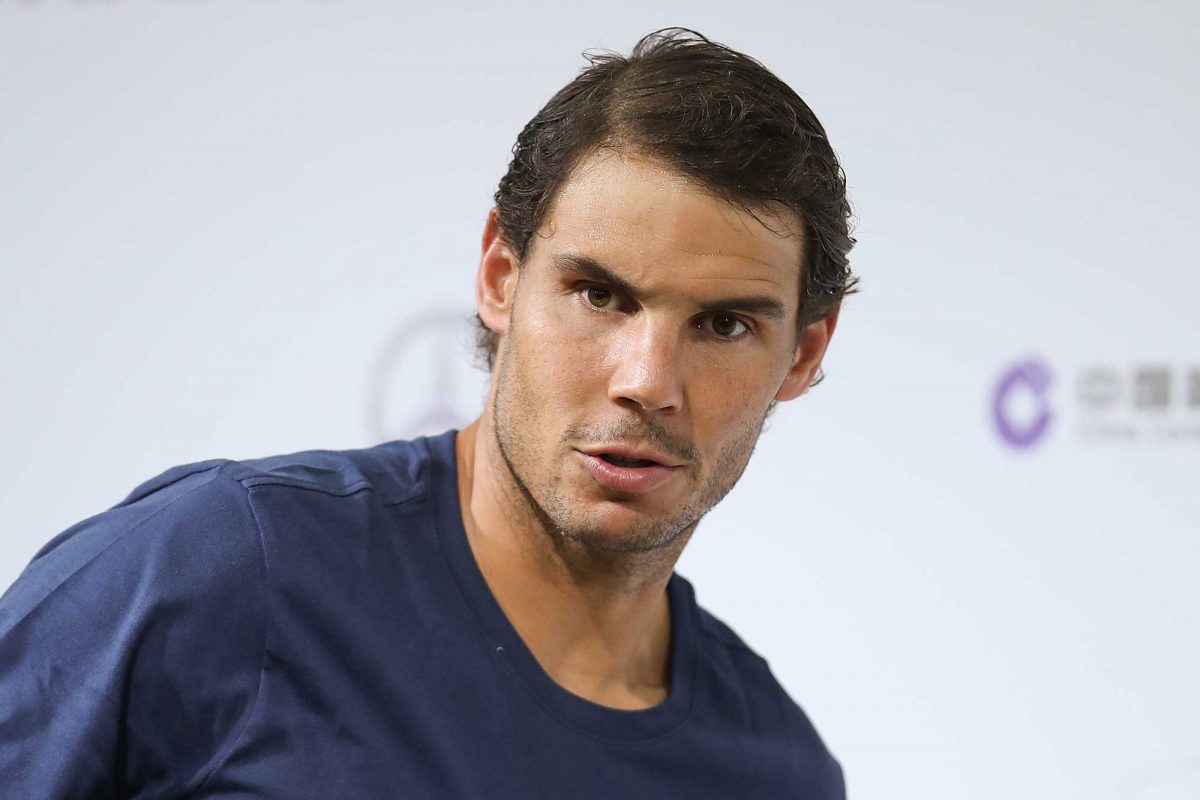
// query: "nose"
[[647, 375]]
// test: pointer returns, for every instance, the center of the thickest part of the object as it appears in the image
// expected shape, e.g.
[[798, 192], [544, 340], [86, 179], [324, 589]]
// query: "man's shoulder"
[[185, 532], [395, 470], [741, 667], [195, 524], [718, 632], [743, 672], [158, 602], [723, 643]]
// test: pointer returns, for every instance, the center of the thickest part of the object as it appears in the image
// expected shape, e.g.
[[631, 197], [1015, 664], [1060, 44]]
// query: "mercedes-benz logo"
[[423, 381]]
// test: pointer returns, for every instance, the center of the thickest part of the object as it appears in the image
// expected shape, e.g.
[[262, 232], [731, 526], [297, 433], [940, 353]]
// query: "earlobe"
[[806, 362], [496, 281]]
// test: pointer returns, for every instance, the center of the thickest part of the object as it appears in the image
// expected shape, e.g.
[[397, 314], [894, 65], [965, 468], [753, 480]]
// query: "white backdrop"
[[238, 229]]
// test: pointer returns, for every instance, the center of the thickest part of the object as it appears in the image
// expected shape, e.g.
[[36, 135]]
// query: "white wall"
[[236, 229]]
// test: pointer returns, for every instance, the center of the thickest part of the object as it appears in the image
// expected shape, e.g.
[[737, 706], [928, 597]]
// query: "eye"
[[598, 297], [726, 326]]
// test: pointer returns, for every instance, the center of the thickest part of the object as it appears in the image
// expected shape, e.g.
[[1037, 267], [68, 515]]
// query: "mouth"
[[624, 473], [620, 461], [630, 457]]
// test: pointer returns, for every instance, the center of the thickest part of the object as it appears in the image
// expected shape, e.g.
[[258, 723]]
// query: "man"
[[491, 612]]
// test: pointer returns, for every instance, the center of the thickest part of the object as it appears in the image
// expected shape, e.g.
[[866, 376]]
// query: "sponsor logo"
[[423, 381], [1145, 402], [1021, 405]]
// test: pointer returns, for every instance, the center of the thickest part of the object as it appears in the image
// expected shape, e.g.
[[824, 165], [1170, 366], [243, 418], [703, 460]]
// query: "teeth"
[[626, 462]]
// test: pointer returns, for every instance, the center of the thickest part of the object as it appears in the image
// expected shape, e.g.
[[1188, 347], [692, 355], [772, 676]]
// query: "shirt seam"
[[254, 481], [599, 737], [206, 777]]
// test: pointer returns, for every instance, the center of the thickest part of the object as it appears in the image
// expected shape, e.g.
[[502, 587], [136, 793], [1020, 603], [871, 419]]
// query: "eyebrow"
[[590, 268]]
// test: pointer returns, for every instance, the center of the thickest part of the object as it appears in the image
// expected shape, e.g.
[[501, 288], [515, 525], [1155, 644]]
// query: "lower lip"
[[627, 479]]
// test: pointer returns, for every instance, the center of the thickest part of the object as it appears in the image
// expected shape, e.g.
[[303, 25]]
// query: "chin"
[[620, 530]]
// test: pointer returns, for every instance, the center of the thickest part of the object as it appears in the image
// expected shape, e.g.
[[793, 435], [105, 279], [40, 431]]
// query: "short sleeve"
[[131, 647]]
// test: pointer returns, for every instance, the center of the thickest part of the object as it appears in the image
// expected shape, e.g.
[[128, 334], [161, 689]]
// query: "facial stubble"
[[517, 427]]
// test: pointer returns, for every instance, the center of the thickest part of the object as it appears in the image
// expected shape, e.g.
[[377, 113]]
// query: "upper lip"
[[624, 451]]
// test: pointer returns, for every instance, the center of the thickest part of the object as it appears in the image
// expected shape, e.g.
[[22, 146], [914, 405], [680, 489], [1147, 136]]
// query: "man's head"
[[710, 113], [666, 260]]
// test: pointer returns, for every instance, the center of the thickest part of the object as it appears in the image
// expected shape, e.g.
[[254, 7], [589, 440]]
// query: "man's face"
[[647, 316]]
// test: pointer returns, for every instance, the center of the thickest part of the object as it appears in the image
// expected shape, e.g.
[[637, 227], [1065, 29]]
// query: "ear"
[[814, 340], [496, 283]]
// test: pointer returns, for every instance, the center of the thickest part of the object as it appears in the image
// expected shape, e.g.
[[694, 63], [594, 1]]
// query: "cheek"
[[721, 411], [732, 380], [560, 356], [728, 396], [548, 322]]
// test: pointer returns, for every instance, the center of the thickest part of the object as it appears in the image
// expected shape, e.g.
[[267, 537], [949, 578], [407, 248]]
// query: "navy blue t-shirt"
[[315, 626]]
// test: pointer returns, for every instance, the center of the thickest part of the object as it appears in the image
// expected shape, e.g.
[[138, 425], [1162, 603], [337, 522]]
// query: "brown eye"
[[597, 297], [726, 325]]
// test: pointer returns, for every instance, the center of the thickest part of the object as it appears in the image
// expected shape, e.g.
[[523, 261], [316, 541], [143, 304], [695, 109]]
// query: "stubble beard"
[[516, 440]]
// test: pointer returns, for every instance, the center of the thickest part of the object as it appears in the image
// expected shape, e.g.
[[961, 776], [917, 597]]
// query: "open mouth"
[[627, 462], [629, 475]]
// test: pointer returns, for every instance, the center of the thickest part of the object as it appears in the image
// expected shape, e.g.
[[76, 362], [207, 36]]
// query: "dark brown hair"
[[709, 112]]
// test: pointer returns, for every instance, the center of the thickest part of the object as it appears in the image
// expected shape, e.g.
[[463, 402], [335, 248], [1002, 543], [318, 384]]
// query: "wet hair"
[[711, 114]]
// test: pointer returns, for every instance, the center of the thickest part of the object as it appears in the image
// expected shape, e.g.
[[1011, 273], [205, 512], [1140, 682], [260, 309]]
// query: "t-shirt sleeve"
[[131, 647]]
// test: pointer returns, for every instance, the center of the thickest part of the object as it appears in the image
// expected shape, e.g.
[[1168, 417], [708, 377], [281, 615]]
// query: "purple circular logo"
[[1020, 405]]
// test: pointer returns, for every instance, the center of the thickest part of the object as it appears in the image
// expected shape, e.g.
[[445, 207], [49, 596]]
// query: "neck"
[[598, 623]]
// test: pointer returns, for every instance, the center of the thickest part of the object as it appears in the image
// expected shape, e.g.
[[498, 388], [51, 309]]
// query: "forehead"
[[646, 219]]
